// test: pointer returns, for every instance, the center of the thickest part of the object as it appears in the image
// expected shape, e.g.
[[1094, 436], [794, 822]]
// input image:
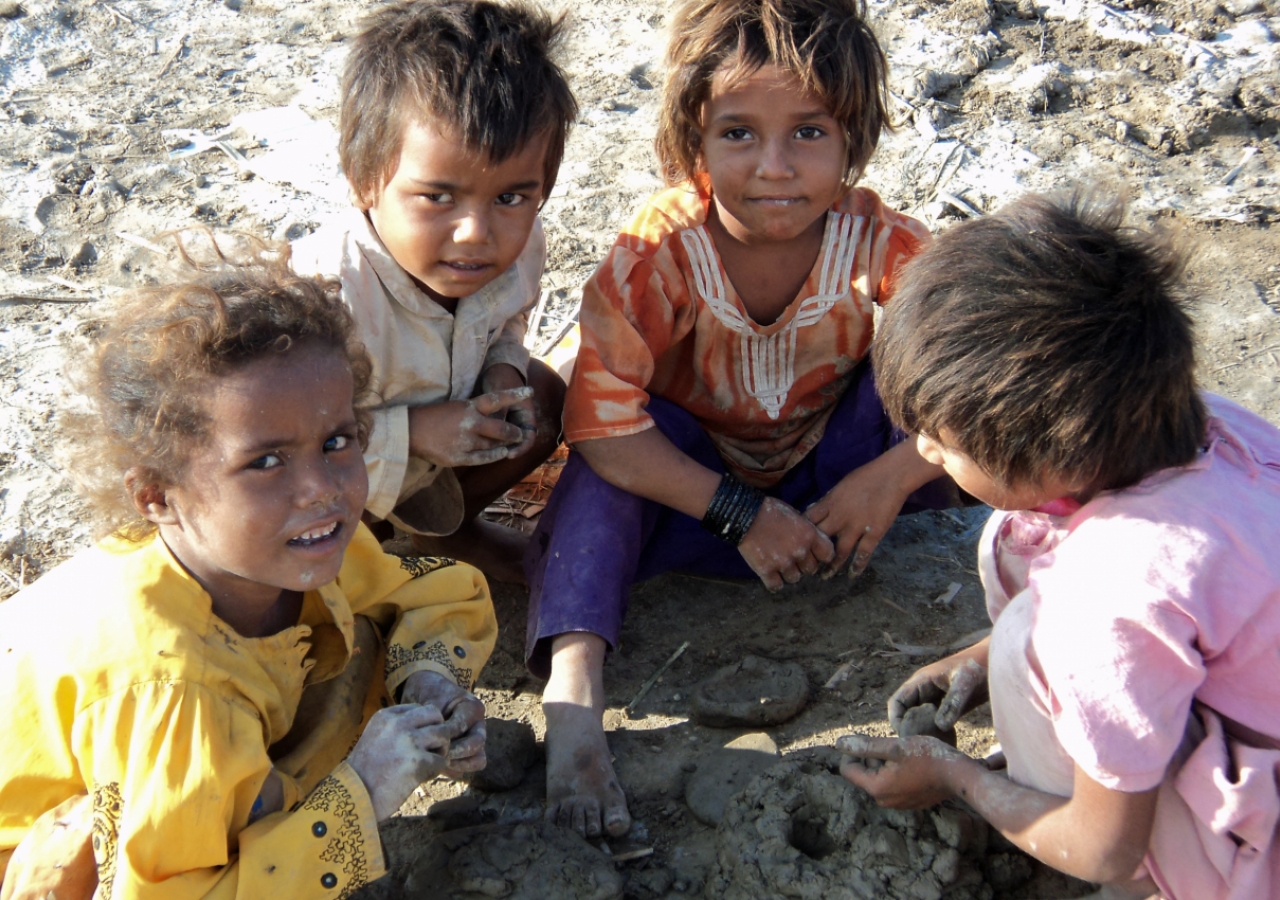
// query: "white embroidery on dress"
[[768, 361]]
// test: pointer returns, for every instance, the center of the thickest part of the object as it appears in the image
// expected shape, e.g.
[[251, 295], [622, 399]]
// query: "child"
[[721, 378], [453, 124], [187, 689], [1132, 574]]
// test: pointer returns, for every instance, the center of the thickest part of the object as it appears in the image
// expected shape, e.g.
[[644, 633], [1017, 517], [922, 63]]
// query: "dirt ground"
[[121, 119]]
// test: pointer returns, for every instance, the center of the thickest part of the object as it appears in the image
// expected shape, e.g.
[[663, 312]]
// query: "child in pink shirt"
[[1131, 571]]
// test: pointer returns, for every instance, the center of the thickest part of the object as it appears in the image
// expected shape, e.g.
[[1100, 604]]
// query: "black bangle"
[[732, 510]]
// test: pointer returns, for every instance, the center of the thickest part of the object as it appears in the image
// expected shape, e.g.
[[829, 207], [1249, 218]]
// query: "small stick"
[[628, 855], [842, 674], [66, 283], [140, 242], [653, 679], [1245, 359], [949, 595], [1249, 153], [35, 298], [895, 606], [173, 57], [535, 319], [967, 208], [9, 578]]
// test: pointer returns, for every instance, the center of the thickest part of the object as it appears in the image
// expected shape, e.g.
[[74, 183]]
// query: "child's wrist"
[[732, 510]]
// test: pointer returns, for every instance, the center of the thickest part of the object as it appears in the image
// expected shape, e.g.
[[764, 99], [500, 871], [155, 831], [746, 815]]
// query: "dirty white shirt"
[[422, 353]]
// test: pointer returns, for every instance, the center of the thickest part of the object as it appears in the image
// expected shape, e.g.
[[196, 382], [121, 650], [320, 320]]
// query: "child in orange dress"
[[722, 414]]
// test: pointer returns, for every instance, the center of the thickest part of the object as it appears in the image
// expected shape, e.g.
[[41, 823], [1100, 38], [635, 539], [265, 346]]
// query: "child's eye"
[[737, 134], [510, 199], [266, 461], [337, 442], [439, 198], [809, 132]]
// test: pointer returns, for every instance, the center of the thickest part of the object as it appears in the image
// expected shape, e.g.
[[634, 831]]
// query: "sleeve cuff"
[[339, 814], [387, 458], [430, 656]]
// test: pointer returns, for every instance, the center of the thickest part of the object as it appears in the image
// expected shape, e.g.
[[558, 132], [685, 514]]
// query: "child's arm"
[[862, 507], [780, 546], [440, 627], [1097, 834]]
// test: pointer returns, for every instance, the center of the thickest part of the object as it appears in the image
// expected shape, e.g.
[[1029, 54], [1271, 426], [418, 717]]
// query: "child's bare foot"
[[583, 792], [492, 548]]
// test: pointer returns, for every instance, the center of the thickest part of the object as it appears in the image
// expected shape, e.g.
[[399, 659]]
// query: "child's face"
[[966, 473], [451, 217], [272, 498], [775, 155]]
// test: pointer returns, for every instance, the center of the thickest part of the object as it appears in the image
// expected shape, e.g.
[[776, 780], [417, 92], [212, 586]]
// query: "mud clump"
[[752, 692], [922, 719], [513, 861], [802, 831]]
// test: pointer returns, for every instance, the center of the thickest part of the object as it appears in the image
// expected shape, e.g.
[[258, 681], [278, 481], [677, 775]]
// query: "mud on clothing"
[[1135, 635], [422, 354], [119, 682]]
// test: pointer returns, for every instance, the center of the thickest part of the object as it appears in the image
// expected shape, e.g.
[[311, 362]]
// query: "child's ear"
[[149, 497]]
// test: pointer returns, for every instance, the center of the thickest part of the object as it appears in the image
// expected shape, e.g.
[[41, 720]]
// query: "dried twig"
[[949, 595], [638, 853], [964, 206], [909, 650], [1245, 359], [173, 57], [140, 242], [653, 679], [1249, 153], [842, 674], [905, 612]]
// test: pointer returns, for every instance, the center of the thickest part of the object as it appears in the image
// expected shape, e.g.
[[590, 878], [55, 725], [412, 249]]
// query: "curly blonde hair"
[[142, 374]]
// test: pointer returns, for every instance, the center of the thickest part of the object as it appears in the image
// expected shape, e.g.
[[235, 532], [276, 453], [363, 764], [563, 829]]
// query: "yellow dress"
[[117, 680]]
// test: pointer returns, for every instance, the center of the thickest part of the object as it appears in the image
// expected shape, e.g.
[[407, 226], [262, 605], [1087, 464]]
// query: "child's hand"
[[917, 772], [464, 717], [955, 685], [782, 546], [504, 377], [456, 434], [857, 513], [401, 747]]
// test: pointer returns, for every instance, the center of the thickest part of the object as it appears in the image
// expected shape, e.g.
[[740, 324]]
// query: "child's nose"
[[319, 483], [775, 161], [472, 227]]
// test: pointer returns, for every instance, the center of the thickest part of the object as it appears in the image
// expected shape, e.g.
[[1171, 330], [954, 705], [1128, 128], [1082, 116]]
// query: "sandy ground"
[[120, 119]]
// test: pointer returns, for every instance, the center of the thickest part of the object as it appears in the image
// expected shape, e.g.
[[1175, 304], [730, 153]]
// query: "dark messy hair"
[[142, 376], [1047, 340], [482, 69], [827, 44]]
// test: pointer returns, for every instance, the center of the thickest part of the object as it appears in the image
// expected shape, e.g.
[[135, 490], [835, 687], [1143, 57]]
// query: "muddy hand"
[[955, 685], [463, 717], [401, 747], [856, 514], [782, 546], [901, 773], [474, 433]]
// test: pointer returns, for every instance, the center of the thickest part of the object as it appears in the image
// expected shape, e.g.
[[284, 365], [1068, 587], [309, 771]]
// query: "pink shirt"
[[1147, 598]]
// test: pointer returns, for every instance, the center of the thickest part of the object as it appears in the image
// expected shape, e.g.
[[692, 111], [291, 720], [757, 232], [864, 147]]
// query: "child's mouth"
[[317, 536], [467, 266]]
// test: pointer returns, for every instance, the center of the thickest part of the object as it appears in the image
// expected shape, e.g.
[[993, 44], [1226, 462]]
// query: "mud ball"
[[510, 748], [921, 720], [754, 691], [802, 831]]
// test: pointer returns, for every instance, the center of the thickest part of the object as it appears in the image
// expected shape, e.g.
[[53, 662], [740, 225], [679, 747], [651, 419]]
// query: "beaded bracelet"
[[732, 510]]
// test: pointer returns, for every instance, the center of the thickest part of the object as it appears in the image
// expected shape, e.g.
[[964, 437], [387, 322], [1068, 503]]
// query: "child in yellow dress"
[[189, 689]]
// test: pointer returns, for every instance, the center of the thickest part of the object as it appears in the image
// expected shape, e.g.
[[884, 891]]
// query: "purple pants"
[[594, 540]]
